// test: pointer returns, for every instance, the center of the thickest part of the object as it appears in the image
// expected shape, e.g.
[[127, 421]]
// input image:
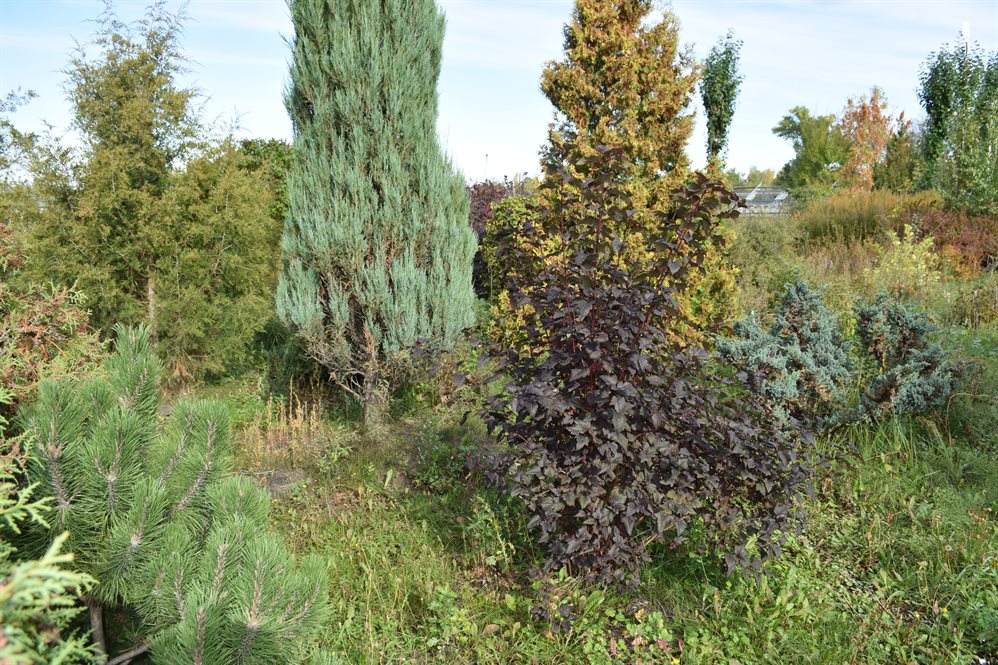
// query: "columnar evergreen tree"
[[624, 82], [377, 248], [153, 519], [135, 122], [719, 83]]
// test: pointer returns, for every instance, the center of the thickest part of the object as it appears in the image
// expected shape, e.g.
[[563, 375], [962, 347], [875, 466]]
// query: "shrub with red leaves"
[[973, 237], [482, 195], [43, 330], [614, 436]]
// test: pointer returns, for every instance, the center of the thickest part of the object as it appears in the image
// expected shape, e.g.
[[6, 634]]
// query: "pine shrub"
[[616, 435], [802, 359], [909, 374], [155, 521], [39, 598]]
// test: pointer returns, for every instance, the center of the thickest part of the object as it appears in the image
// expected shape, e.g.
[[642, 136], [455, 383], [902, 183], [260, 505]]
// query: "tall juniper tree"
[[377, 249], [152, 218]]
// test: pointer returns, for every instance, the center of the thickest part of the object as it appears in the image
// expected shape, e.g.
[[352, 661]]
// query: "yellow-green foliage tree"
[[626, 83]]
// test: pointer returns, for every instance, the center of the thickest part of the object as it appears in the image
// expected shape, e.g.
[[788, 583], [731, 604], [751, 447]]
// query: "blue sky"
[[815, 53]]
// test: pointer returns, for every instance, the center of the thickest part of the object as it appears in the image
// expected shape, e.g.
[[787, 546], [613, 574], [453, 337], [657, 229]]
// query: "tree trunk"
[[151, 304], [375, 392], [97, 627], [375, 399]]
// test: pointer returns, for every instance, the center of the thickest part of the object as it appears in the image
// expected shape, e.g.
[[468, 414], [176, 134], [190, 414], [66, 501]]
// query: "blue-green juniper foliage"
[[802, 358], [910, 374], [377, 249]]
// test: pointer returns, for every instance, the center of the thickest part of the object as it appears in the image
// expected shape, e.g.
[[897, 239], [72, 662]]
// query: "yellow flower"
[[675, 661], [945, 611]]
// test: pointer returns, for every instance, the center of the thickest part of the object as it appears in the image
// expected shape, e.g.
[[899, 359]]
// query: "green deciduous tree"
[[754, 177], [154, 520], [820, 150], [378, 252], [902, 165], [719, 83], [959, 92], [152, 218]]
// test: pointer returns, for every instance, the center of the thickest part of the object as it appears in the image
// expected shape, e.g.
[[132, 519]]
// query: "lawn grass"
[[898, 561]]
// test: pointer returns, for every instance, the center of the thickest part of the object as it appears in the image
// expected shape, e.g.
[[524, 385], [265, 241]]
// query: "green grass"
[[897, 563]]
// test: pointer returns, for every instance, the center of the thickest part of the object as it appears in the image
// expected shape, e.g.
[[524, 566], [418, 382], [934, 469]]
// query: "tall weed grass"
[[857, 216]]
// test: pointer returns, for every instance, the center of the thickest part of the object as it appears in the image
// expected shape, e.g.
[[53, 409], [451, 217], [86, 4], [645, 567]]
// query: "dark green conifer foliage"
[[377, 249], [153, 519], [153, 219], [802, 359]]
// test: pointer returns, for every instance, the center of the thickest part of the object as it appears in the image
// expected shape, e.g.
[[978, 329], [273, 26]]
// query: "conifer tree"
[[625, 83], [151, 217], [377, 249], [153, 519], [628, 84], [38, 597]]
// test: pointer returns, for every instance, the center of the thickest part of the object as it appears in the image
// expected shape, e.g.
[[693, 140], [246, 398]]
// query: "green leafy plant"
[[802, 360], [45, 330], [719, 83], [617, 436], [959, 93], [906, 266], [483, 197], [154, 520], [909, 374]]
